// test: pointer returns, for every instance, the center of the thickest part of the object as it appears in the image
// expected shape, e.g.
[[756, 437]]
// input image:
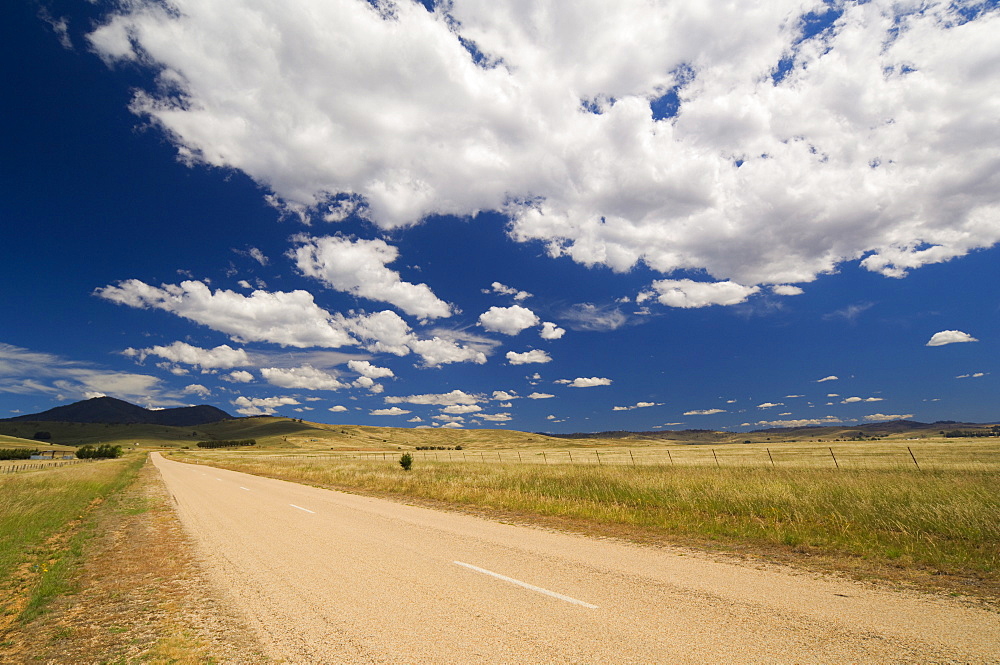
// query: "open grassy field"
[[927, 455], [874, 512], [17, 442]]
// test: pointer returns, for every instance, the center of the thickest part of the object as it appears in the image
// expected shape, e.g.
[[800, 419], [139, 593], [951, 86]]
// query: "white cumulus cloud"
[[533, 356], [854, 400], [505, 290], [392, 411], [876, 142], [285, 318], [495, 417], [803, 422], [305, 377], [461, 408], [262, 406], [704, 412], [688, 293], [882, 416], [950, 337], [359, 267], [584, 382], [439, 399], [220, 357], [365, 368], [551, 331], [239, 376], [508, 320], [197, 389], [637, 405], [387, 332]]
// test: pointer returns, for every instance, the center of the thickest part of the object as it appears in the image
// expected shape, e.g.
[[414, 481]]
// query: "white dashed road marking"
[[519, 583]]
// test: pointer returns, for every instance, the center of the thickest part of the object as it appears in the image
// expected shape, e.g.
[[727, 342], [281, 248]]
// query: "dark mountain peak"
[[112, 410]]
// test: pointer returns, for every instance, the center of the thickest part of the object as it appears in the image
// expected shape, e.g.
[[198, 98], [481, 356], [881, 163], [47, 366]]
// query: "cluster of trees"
[[103, 451], [16, 453], [438, 448], [227, 444], [972, 433]]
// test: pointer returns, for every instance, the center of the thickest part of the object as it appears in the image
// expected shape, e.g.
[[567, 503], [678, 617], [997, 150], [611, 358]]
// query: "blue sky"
[[612, 216]]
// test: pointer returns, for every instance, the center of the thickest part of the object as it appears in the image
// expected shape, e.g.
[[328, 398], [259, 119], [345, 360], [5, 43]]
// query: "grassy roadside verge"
[[43, 524], [133, 590], [933, 529]]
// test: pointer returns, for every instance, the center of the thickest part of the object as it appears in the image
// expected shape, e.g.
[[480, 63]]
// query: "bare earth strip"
[[329, 577]]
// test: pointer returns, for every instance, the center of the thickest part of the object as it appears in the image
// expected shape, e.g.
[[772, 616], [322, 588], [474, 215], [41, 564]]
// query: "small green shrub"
[[103, 451], [406, 461], [227, 443], [16, 453]]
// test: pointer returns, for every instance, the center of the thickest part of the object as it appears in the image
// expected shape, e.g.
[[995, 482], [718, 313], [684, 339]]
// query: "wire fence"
[[34, 465], [947, 456]]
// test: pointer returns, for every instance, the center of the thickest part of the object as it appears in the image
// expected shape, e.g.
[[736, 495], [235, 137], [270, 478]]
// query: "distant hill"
[[109, 410], [878, 429]]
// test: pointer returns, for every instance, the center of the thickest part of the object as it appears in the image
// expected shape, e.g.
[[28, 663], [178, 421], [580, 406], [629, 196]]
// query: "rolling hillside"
[[108, 410], [17, 442], [276, 432], [289, 433]]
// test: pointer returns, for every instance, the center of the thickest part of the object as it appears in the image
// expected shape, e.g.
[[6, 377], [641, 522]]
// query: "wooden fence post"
[[914, 458], [716, 457], [769, 456], [834, 458], [632, 456]]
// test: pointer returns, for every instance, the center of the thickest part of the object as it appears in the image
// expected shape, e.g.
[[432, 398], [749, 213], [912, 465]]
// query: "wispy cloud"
[[24, 372], [849, 313]]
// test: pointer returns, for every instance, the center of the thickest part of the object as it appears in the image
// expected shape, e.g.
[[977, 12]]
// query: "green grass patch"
[[43, 527], [942, 521]]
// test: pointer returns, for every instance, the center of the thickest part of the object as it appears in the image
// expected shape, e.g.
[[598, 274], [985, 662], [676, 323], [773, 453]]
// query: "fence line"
[[33, 466], [843, 458]]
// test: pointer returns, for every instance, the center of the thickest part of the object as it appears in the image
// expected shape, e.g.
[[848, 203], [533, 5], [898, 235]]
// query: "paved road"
[[328, 577]]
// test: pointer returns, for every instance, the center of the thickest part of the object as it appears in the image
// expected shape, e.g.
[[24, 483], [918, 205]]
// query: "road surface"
[[329, 577]]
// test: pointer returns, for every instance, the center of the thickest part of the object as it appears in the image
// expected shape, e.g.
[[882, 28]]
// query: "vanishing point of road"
[[330, 577]]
